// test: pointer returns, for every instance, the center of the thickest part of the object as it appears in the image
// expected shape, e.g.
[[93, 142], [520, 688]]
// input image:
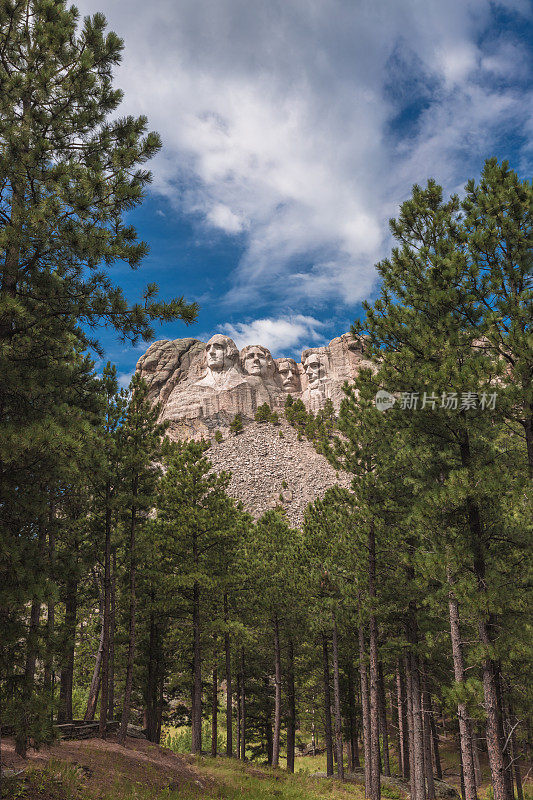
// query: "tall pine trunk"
[[152, 685], [229, 709], [339, 745], [132, 612], [418, 778], [383, 721], [196, 737], [291, 703], [410, 724], [277, 694], [243, 706], [365, 707], [64, 713], [112, 624], [435, 737], [327, 707], [428, 761], [214, 711], [465, 738], [94, 689], [23, 732], [49, 680], [238, 710], [514, 753], [490, 693], [104, 692], [354, 746], [403, 727], [374, 676]]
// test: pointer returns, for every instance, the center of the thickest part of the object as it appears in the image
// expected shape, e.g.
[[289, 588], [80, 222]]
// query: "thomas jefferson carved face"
[[220, 353], [315, 368], [256, 360], [290, 377]]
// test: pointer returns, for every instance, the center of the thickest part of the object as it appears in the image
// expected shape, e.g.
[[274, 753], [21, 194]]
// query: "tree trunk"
[[95, 682], [383, 722], [50, 620], [112, 624], [214, 712], [152, 684], [291, 702], [426, 719], [354, 746], [490, 693], [21, 739], [418, 729], [243, 707], [196, 738], [339, 744], [403, 726], [159, 714], [365, 706], [418, 782], [528, 430], [514, 754], [410, 724], [465, 738], [64, 713], [327, 707], [104, 697], [277, 695], [434, 735], [475, 753], [268, 731], [504, 731], [131, 638], [238, 714], [374, 677], [229, 708]]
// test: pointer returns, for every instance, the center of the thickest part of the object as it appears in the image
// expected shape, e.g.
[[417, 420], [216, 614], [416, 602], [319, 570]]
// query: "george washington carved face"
[[220, 353], [257, 360], [290, 377]]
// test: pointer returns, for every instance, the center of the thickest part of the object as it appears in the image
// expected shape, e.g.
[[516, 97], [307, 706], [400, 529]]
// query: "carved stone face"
[[220, 353], [315, 369], [256, 360], [290, 377]]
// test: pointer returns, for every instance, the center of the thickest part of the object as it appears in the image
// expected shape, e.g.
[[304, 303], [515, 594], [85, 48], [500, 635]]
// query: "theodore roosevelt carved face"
[[256, 360], [290, 377]]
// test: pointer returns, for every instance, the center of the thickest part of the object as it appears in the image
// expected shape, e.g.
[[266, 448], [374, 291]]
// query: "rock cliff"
[[202, 386]]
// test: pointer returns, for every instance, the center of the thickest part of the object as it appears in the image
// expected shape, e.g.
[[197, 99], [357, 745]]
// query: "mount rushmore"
[[200, 387]]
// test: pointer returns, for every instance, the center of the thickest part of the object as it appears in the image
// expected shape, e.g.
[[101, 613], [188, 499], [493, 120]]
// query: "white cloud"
[[279, 335], [276, 122], [124, 378]]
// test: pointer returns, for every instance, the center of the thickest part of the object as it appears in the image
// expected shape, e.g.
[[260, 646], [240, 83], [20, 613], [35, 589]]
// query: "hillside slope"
[[98, 770]]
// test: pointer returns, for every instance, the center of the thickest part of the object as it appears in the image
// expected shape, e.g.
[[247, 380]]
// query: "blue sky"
[[292, 130]]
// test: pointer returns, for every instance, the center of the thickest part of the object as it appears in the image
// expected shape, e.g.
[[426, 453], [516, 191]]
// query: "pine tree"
[[198, 524], [428, 349], [141, 438]]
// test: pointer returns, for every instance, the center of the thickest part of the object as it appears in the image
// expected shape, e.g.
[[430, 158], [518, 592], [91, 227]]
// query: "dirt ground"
[[139, 761]]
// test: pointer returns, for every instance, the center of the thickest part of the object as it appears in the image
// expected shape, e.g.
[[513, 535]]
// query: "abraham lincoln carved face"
[[315, 367]]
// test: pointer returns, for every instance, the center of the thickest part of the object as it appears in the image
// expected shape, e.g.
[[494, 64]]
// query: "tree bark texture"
[[277, 695], [339, 744], [327, 707]]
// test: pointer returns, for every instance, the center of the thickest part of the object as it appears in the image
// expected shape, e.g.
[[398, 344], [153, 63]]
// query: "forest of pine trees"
[[133, 588]]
